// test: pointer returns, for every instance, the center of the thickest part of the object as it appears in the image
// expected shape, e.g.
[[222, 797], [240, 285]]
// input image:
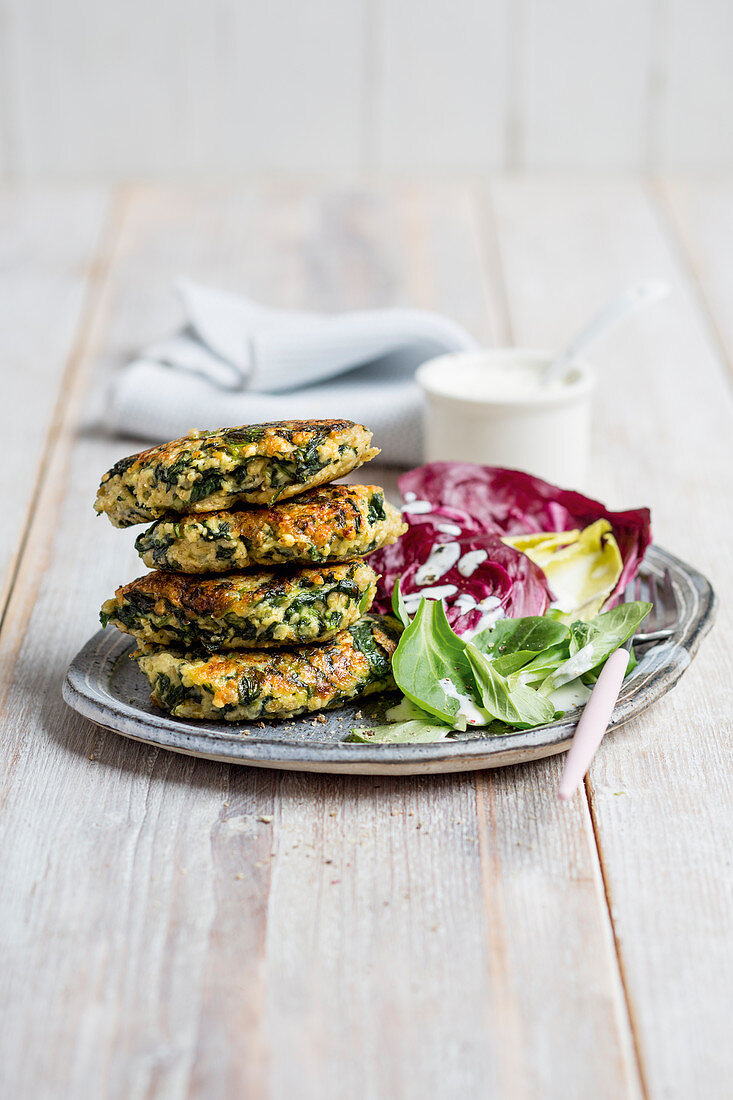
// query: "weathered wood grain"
[[584, 106], [107, 91], [174, 925], [429, 919], [48, 241], [438, 80], [691, 129], [701, 212], [104, 92], [661, 789]]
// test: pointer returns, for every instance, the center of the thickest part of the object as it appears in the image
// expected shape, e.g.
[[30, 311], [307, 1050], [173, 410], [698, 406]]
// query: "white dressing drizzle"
[[439, 592], [442, 557], [470, 562], [490, 608], [475, 716], [570, 695], [577, 664], [417, 507]]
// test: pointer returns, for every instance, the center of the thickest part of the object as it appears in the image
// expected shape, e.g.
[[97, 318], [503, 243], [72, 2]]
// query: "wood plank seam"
[[628, 1000], [490, 249], [371, 79], [661, 841], [682, 252], [511, 1067], [492, 252], [96, 277], [8, 112], [64, 422], [656, 80], [515, 136]]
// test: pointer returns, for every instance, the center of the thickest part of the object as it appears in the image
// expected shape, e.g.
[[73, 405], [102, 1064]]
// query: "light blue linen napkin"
[[239, 362]]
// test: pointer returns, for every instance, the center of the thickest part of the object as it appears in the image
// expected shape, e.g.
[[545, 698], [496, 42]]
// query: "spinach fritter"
[[210, 471], [281, 683], [333, 523], [243, 610]]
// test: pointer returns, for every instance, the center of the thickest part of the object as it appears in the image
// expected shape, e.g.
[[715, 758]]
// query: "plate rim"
[[187, 736]]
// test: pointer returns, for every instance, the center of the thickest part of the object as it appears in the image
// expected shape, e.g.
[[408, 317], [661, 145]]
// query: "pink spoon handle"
[[593, 722]]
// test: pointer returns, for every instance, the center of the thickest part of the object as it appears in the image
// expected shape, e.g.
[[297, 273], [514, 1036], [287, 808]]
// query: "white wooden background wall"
[[92, 88]]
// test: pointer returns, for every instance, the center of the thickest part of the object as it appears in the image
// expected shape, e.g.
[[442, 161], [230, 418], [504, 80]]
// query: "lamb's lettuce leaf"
[[412, 732], [431, 668], [533, 633], [399, 607], [592, 643], [520, 674], [408, 724], [540, 667], [506, 698]]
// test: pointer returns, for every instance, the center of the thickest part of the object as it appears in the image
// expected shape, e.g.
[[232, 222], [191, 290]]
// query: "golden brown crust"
[[312, 516], [243, 686], [233, 591], [243, 610], [255, 463], [272, 442], [327, 670], [331, 523]]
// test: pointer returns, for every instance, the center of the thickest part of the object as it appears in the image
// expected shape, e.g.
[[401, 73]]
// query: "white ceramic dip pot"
[[489, 407]]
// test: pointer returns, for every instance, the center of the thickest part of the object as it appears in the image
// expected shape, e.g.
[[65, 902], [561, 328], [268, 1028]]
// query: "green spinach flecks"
[[121, 466], [376, 508]]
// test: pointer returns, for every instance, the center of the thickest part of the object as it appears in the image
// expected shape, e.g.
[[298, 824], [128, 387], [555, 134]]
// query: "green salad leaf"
[[533, 633], [592, 643], [546, 662], [412, 732], [430, 666], [518, 674], [506, 698], [513, 644], [408, 724], [399, 607], [514, 662]]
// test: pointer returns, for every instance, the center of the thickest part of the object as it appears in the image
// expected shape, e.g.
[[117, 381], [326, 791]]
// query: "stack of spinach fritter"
[[257, 603]]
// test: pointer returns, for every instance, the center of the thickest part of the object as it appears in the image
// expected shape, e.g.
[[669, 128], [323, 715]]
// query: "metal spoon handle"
[[640, 294]]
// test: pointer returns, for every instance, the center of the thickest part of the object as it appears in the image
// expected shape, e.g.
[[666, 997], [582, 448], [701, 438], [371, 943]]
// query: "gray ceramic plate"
[[105, 686]]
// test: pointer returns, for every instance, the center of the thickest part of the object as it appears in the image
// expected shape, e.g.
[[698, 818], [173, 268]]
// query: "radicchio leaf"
[[472, 507], [512, 584], [516, 503]]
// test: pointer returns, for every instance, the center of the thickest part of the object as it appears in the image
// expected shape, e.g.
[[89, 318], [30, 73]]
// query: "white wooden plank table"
[[437, 937]]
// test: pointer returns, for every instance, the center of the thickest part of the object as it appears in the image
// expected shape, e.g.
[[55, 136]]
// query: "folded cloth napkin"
[[238, 362]]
